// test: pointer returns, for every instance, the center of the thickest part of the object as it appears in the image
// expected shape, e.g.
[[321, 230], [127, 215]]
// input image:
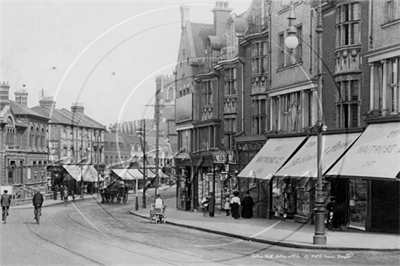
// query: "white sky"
[[87, 41]]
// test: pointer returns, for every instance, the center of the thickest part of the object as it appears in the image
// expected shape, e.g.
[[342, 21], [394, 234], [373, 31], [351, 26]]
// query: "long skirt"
[[235, 210]]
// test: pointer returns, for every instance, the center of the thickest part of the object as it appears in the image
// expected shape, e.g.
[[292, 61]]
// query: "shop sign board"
[[271, 157], [376, 154], [304, 162]]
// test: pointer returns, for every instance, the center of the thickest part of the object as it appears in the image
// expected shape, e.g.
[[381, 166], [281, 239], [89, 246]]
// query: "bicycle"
[[5, 214], [37, 213]]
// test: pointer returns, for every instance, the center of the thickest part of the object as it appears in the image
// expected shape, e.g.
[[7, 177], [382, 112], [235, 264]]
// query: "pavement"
[[268, 231]]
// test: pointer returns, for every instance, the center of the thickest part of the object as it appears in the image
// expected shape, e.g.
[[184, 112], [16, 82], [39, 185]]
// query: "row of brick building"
[[246, 109]]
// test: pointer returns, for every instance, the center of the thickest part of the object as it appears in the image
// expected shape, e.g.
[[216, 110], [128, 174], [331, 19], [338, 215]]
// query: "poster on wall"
[[54, 150]]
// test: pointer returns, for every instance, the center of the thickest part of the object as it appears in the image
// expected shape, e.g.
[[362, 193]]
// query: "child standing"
[[227, 206]]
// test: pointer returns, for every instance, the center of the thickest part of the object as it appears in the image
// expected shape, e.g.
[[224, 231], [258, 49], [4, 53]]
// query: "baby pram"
[[158, 215]]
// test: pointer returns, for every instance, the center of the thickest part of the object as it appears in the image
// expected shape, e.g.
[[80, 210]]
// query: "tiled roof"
[[19, 109], [82, 119], [65, 117], [56, 116]]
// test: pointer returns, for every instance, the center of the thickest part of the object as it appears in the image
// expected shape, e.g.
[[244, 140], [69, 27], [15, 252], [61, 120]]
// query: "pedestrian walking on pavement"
[[211, 204], [5, 202], [62, 192], [235, 205], [247, 206], [65, 196]]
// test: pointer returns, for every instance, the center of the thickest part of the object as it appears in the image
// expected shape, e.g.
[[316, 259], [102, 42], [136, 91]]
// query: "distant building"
[[23, 144], [73, 139]]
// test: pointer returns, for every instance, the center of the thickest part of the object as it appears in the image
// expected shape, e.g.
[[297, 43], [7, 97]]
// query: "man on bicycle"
[[37, 201], [5, 202]]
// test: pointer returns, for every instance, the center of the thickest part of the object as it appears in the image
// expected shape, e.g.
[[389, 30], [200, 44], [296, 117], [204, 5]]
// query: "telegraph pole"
[[157, 114], [80, 163], [144, 164]]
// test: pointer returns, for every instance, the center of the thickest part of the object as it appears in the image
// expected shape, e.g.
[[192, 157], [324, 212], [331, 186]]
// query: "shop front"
[[256, 176], [371, 171], [294, 184], [204, 175], [184, 181]]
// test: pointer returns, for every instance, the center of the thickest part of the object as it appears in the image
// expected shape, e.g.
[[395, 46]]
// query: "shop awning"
[[90, 174], [128, 174], [376, 154], [304, 162], [271, 157], [160, 174], [74, 171]]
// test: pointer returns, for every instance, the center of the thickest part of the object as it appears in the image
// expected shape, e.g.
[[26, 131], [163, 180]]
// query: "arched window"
[[10, 132], [170, 94], [43, 139], [32, 138], [37, 138]]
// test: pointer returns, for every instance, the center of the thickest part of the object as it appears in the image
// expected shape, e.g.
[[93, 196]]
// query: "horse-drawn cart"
[[116, 190]]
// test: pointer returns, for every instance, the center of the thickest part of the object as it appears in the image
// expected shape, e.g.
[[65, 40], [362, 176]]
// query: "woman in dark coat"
[[211, 204], [235, 205], [247, 206]]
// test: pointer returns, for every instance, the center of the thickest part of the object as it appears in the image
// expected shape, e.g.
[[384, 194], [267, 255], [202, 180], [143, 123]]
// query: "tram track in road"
[[123, 238], [60, 246], [111, 236]]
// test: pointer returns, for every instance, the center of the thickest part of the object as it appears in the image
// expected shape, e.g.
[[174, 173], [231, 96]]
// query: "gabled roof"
[[19, 109], [198, 35]]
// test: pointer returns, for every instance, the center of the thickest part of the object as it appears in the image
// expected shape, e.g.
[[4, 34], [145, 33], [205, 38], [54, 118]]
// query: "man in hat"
[[5, 202], [331, 208]]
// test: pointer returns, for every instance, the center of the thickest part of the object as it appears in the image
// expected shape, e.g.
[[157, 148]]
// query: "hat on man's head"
[[5, 191]]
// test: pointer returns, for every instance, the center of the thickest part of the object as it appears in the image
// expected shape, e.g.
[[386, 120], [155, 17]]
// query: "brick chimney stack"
[[47, 102], [221, 12], [184, 16], [21, 96], [77, 108], [4, 93]]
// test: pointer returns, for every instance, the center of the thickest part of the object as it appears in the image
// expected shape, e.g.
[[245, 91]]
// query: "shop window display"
[[358, 203], [204, 185], [284, 197], [303, 195]]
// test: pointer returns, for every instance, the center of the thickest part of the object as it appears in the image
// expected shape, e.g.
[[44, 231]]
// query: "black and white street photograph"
[[199, 132]]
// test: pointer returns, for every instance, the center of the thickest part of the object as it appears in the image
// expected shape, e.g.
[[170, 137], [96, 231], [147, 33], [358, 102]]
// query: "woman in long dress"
[[247, 206], [235, 205]]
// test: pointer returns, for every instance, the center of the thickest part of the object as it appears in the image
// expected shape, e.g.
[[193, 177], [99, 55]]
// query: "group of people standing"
[[233, 205]]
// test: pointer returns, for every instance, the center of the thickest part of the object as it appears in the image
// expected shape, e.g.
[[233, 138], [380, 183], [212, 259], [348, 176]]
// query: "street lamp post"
[[292, 42]]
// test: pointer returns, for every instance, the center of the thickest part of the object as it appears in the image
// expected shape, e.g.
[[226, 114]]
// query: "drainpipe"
[[242, 64]]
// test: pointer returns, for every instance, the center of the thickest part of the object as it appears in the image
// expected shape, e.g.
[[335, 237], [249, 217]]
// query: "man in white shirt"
[[159, 202]]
